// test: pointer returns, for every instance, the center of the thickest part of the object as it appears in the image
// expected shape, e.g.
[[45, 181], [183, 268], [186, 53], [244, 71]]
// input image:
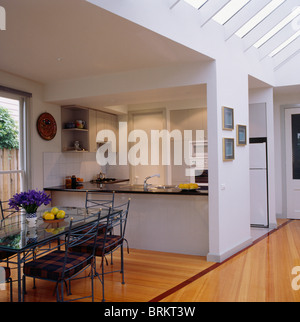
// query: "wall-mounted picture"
[[241, 132], [228, 149], [228, 118]]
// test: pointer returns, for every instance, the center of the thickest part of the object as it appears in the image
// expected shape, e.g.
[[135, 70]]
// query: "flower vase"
[[31, 219]]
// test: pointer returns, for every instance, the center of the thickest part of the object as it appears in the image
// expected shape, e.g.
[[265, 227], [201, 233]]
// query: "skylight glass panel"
[[278, 27], [232, 8], [196, 3], [252, 23], [285, 44]]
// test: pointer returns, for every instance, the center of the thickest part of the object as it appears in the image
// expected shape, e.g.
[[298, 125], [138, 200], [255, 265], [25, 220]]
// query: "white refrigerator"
[[258, 184]]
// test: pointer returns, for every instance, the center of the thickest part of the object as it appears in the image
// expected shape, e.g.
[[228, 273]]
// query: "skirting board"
[[219, 258]]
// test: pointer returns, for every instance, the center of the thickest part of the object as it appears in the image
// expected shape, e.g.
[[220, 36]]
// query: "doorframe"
[[283, 108]]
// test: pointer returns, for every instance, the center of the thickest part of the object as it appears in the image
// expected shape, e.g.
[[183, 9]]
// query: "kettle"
[[101, 176]]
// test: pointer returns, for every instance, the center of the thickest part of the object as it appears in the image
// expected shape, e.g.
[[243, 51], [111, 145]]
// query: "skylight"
[[252, 23], [196, 3], [278, 27], [233, 7], [285, 44]]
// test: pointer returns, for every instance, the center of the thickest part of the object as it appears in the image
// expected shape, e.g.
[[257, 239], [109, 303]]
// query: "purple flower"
[[29, 200]]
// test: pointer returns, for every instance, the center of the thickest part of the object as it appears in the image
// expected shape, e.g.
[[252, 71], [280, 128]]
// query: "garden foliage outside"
[[8, 131]]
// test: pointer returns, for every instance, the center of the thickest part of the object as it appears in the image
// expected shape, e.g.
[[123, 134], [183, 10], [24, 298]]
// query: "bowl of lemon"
[[54, 215], [188, 186]]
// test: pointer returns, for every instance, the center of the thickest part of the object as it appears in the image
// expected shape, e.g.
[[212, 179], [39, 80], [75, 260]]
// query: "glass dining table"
[[19, 237]]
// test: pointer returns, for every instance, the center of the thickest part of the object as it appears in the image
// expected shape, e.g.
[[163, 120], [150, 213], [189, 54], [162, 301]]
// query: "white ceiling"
[[50, 40]]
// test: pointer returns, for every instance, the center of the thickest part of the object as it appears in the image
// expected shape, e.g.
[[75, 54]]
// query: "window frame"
[[24, 135]]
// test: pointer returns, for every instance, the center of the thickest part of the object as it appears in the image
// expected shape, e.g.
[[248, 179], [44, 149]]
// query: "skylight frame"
[[229, 11], [259, 17], [289, 18], [196, 3], [286, 43]]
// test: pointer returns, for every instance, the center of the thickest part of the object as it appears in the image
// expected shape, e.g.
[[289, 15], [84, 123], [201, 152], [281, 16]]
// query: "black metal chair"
[[94, 199], [63, 266], [5, 210], [5, 213], [6, 277], [107, 244]]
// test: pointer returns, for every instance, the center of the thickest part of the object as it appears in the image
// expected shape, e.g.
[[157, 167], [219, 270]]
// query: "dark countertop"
[[128, 188]]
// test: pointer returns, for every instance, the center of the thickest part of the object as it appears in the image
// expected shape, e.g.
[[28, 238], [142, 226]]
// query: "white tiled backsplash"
[[59, 165]]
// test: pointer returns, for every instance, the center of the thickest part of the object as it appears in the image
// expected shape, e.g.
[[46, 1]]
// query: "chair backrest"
[[99, 200], [118, 220], [84, 234], [5, 210]]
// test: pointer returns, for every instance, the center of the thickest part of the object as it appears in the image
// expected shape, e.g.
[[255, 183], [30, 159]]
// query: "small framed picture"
[[228, 149], [241, 133], [228, 118]]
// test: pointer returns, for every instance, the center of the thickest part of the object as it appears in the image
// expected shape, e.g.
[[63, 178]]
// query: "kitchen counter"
[[128, 188], [160, 219]]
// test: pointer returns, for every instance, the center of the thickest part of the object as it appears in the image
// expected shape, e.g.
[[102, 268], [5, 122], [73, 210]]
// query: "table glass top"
[[17, 234]]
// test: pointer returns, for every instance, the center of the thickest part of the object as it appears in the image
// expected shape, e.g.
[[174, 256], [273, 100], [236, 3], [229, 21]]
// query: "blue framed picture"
[[228, 149], [228, 118]]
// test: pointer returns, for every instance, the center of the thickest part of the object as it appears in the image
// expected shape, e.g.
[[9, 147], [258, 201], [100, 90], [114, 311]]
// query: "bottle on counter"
[[73, 182]]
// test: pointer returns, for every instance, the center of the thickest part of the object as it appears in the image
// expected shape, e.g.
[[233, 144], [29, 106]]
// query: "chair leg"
[[122, 265], [11, 288], [102, 277], [23, 287]]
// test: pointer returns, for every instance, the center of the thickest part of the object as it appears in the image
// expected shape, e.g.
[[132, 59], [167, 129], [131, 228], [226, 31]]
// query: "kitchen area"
[[166, 214]]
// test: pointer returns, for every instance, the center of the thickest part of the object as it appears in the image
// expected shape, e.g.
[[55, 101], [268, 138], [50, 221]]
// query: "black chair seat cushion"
[[112, 241], [50, 266], [4, 255], [101, 229]]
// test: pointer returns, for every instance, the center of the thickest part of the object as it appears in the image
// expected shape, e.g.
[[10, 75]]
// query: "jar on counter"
[[68, 181]]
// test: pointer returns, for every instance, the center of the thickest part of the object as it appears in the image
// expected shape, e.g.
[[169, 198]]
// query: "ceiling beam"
[[282, 63], [287, 53], [210, 9], [269, 23], [278, 39], [243, 16]]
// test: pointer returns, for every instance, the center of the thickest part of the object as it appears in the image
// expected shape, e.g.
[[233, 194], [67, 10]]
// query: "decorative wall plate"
[[46, 126]]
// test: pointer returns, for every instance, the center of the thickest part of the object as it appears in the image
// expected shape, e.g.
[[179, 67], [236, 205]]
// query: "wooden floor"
[[260, 273]]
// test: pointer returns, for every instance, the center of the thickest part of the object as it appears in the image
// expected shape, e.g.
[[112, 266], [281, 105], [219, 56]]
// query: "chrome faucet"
[[147, 178]]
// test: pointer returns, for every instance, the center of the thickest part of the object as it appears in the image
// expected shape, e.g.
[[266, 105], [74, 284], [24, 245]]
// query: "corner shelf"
[[71, 113]]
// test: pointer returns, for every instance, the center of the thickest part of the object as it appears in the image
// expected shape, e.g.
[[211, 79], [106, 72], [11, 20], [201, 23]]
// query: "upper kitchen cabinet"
[[75, 129], [80, 126]]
